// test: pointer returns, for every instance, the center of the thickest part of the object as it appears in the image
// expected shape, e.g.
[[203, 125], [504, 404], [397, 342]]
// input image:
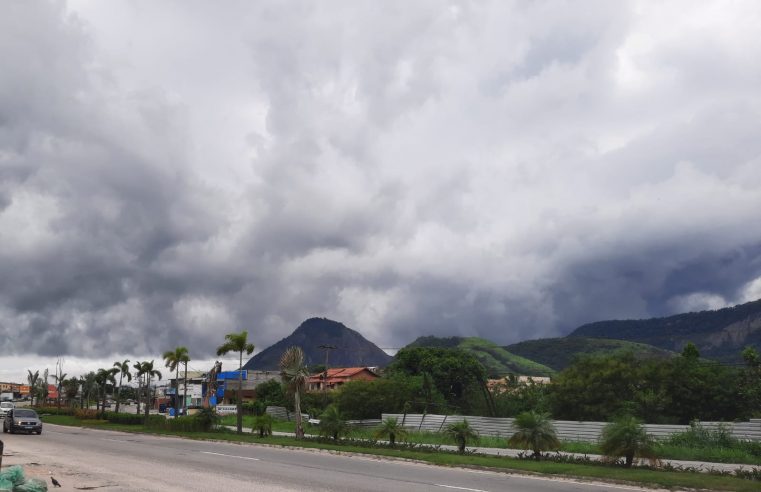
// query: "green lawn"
[[594, 472]]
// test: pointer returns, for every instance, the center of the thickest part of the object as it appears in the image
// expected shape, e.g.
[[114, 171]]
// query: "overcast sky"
[[174, 171]]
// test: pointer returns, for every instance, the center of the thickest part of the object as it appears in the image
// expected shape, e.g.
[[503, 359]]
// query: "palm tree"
[[392, 429], [32, 378], [88, 383], [263, 424], [172, 360], [332, 423], [535, 432], [146, 368], [138, 367], [237, 342], [627, 437], [71, 388], [103, 377], [122, 368], [295, 374], [461, 432], [59, 377]]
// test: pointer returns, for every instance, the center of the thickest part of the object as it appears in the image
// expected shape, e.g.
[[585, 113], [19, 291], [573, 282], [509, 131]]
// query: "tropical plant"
[[172, 360], [535, 432], [42, 388], [627, 437], [295, 374], [137, 366], [59, 378], [461, 432], [122, 368], [237, 342], [391, 428], [332, 423], [263, 425], [103, 377], [32, 378], [70, 389], [206, 418], [147, 370], [88, 386]]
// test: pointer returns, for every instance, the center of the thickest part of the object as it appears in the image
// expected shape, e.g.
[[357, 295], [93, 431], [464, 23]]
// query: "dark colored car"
[[22, 419]]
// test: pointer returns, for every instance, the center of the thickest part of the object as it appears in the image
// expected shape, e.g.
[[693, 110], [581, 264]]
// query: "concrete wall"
[[566, 430]]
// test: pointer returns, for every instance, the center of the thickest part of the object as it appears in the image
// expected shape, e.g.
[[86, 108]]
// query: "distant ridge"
[[719, 334], [352, 349], [558, 353]]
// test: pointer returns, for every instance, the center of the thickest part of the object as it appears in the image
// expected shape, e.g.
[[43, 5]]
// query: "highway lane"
[[122, 461]]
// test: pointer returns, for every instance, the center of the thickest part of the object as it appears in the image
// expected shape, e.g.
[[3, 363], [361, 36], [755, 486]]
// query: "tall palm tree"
[[149, 373], [122, 368], [71, 388], [237, 342], [627, 437], [88, 384], [535, 432], [59, 377], [103, 377], [32, 378], [138, 367], [294, 372], [172, 360], [392, 429], [461, 432]]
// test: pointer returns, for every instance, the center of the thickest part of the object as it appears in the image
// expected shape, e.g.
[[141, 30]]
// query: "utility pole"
[[327, 348]]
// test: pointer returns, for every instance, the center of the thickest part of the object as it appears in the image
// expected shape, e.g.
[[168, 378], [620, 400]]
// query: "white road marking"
[[458, 488], [230, 456], [112, 440]]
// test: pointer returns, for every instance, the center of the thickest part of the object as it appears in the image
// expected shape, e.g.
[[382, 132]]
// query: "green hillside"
[[558, 353], [497, 361]]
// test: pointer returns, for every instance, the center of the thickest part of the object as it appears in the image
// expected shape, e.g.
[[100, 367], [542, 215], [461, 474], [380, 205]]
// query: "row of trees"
[[595, 387]]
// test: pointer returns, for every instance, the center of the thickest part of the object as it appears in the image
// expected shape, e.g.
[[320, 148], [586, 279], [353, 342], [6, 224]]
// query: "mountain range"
[[719, 335]]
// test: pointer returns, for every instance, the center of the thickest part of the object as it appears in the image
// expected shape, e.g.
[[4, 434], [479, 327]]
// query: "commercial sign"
[[227, 409]]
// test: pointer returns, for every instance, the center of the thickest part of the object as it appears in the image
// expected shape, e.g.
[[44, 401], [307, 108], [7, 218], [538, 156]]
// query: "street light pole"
[[327, 348]]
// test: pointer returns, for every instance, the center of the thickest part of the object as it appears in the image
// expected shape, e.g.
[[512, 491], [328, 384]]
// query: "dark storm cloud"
[[507, 170]]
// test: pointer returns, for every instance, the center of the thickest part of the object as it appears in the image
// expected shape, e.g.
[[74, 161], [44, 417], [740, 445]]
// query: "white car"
[[5, 407]]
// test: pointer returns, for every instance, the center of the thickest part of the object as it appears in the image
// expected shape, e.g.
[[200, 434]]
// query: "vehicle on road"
[[5, 407], [22, 419]]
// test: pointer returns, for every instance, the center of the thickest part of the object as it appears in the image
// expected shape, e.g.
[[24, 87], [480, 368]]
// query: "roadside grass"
[[654, 478]]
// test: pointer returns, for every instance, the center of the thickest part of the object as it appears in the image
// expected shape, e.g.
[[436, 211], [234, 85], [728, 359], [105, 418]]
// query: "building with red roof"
[[337, 376]]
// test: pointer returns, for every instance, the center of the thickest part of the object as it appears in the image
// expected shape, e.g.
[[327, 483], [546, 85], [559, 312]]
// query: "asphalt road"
[[91, 459]]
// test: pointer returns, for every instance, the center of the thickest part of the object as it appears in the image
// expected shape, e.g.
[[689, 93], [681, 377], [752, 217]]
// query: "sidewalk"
[[702, 466]]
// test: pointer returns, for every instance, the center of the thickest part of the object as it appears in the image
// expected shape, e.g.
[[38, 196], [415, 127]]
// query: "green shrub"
[[86, 414], [698, 436], [627, 437], [207, 419], [55, 411], [125, 418], [263, 425]]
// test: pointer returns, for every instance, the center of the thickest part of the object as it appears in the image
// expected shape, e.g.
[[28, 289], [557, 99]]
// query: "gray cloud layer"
[[172, 172]]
